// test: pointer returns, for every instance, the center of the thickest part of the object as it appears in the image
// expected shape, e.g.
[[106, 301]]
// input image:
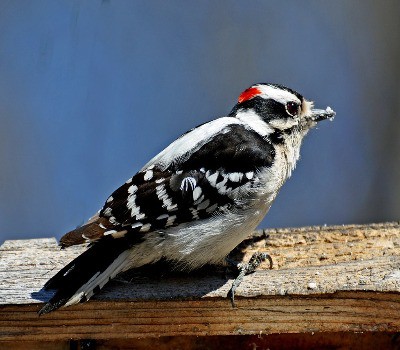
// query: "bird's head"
[[270, 108]]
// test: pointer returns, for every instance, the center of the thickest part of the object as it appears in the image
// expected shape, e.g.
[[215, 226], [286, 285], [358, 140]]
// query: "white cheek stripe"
[[253, 120], [284, 124]]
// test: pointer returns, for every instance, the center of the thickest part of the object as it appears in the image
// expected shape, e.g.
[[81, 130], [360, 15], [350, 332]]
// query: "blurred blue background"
[[90, 90]]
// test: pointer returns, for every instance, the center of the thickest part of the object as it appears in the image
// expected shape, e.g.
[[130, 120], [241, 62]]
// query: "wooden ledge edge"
[[336, 312]]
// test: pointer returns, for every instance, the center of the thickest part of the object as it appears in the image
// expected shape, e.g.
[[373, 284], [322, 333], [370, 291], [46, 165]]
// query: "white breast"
[[210, 241]]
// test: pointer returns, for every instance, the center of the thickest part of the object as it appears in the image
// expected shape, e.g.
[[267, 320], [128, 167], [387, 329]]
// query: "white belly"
[[210, 242]]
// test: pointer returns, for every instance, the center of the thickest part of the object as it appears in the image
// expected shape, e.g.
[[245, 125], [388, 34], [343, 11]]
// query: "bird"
[[197, 199]]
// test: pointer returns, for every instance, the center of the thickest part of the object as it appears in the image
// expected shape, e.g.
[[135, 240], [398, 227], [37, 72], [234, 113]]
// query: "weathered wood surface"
[[332, 279]]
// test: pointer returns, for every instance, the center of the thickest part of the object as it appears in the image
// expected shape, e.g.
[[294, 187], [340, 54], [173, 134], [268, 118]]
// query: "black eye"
[[292, 108]]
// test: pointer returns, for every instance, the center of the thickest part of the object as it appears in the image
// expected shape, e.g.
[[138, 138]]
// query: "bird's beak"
[[322, 114]]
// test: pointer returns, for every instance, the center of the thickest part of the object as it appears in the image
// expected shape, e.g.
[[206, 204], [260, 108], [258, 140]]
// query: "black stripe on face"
[[267, 109], [278, 136]]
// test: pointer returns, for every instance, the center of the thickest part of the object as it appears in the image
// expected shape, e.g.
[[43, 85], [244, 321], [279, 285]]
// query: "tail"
[[88, 273]]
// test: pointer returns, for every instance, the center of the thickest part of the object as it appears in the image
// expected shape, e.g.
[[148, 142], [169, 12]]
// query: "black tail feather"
[[78, 272]]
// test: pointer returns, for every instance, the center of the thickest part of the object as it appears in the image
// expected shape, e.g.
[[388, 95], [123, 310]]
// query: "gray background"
[[90, 90]]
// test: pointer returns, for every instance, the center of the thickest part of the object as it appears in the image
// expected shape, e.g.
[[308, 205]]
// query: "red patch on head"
[[248, 94]]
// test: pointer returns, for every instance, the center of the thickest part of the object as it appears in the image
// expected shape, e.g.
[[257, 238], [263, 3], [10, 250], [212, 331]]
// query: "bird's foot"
[[246, 269]]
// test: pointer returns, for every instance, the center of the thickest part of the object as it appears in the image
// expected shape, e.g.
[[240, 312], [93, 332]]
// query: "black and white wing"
[[193, 186], [192, 182]]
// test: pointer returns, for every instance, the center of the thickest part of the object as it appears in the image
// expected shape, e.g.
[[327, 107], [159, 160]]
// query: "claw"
[[246, 269]]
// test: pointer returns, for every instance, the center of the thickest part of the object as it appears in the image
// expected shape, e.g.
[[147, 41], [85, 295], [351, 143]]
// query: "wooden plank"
[[330, 279], [306, 261], [306, 341], [355, 312]]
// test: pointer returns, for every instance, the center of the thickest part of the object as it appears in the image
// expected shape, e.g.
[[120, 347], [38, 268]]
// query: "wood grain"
[[325, 279], [307, 341]]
